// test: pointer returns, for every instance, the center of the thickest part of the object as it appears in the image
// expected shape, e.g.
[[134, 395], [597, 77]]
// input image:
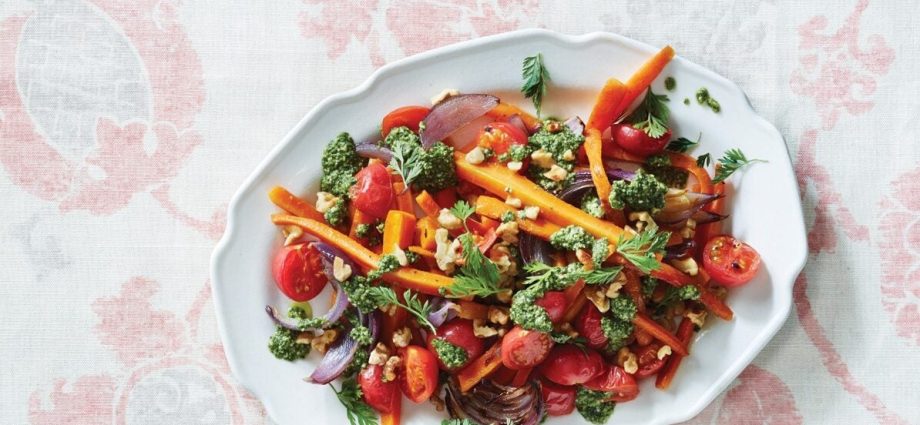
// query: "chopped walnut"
[[504, 296], [532, 212], [515, 165], [446, 252], [475, 156], [448, 220], [291, 234], [687, 265], [567, 329], [325, 201], [304, 337], [643, 219], [444, 94], [584, 257], [627, 360], [697, 318], [556, 173], [340, 271], [389, 369], [508, 231], [480, 329], [689, 229], [553, 127], [322, 341], [498, 315], [664, 351], [400, 255], [379, 355], [613, 290], [598, 296], [542, 158], [513, 202], [402, 337], [568, 155]]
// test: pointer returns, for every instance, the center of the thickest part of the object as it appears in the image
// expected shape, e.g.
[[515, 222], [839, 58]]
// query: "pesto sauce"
[[704, 98], [670, 83]]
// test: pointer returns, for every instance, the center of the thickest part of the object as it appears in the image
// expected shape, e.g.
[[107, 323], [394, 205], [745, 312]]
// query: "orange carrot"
[[472, 310], [688, 163], [634, 289], [425, 228], [596, 164], [424, 282], [292, 204], [645, 323], [481, 367], [403, 196], [496, 178], [504, 111], [715, 304], [606, 106], [398, 230], [666, 375], [574, 299], [642, 78], [428, 204], [426, 255], [358, 218], [706, 231], [393, 417], [494, 208]]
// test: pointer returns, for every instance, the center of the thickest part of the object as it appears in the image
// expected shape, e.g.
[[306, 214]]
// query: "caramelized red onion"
[[516, 121], [342, 352], [442, 310], [575, 124], [534, 249], [694, 203], [453, 113], [339, 305], [490, 403], [373, 150], [679, 251]]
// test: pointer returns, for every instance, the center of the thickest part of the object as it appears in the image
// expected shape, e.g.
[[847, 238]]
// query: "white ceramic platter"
[[764, 206]]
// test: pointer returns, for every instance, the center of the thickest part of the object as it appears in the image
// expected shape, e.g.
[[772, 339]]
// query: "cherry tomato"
[[649, 363], [298, 272], [617, 381], [558, 400], [373, 193], [382, 396], [522, 348], [555, 305], [730, 261], [406, 116], [418, 377], [499, 136], [458, 332], [588, 325], [571, 365], [637, 141]]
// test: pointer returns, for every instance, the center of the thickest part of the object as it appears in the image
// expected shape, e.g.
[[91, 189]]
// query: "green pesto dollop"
[[704, 98], [357, 289], [591, 204], [283, 345], [340, 163], [557, 139], [435, 165], [571, 238], [643, 193], [594, 406], [361, 334], [451, 355], [337, 213], [623, 308], [616, 331], [599, 251], [670, 83]]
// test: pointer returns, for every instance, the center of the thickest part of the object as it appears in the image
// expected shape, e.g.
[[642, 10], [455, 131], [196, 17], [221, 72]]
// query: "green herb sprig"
[[732, 161], [406, 163], [357, 411], [652, 115], [535, 77], [477, 277], [641, 249], [383, 295]]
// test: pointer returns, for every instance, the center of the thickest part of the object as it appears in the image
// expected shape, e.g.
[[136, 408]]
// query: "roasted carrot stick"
[[666, 375], [425, 228], [292, 204], [403, 197], [715, 305], [688, 163], [596, 165], [645, 323], [606, 106], [642, 78], [494, 208], [424, 282], [472, 310], [427, 203], [358, 218], [504, 111], [480, 368], [398, 230]]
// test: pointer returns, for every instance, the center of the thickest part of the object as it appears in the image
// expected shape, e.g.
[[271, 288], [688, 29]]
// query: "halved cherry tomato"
[[406, 116], [555, 305], [382, 396], [615, 380], [571, 365], [649, 363], [373, 193], [558, 400], [298, 272], [522, 348], [418, 377], [499, 136], [730, 261], [458, 332], [588, 325], [637, 142]]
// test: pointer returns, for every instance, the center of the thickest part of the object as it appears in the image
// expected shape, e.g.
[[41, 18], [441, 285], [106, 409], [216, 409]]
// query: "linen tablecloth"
[[126, 126]]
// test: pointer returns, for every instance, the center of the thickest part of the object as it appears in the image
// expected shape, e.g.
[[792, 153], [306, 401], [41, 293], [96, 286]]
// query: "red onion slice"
[[335, 313], [575, 124], [281, 320], [490, 402], [442, 310], [516, 121], [372, 150], [534, 249], [342, 352], [452, 113]]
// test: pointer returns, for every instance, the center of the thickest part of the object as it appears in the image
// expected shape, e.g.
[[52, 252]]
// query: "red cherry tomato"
[[617, 381], [522, 348], [637, 141], [298, 272], [499, 136], [649, 363], [373, 193], [558, 400], [458, 332], [588, 325], [730, 261], [418, 377], [571, 365], [555, 305], [406, 116], [382, 396]]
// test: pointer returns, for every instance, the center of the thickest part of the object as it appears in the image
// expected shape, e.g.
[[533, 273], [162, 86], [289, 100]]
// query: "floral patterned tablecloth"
[[126, 126]]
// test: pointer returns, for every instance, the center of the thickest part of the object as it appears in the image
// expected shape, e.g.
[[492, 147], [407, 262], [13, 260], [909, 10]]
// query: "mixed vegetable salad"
[[506, 266]]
